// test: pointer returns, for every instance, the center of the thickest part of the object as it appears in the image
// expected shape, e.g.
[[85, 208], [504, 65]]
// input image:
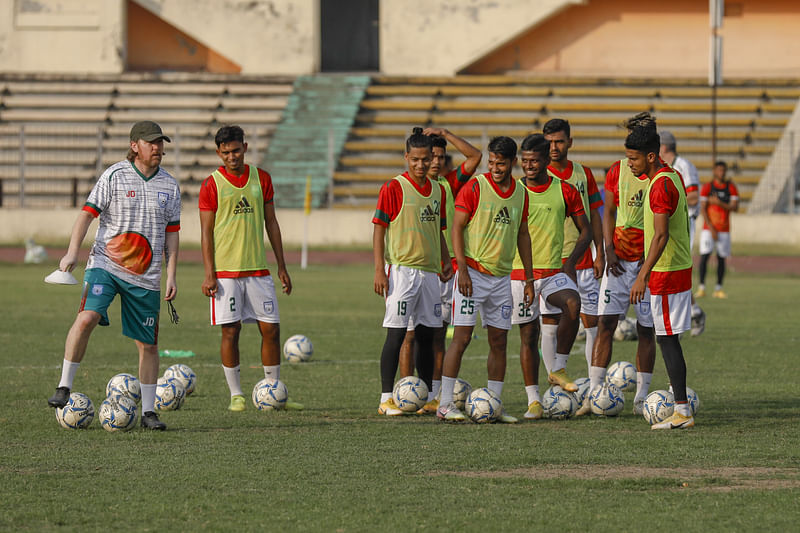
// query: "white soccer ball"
[[622, 374], [559, 404], [169, 394], [483, 406], [461, 391], [78, 413], [658, 406], [184, 374], [410, 394], [270, 394], [583, 389], [626, 330], [694, 400], [118, 413], [297, 349], [606, 400], [125, 384]]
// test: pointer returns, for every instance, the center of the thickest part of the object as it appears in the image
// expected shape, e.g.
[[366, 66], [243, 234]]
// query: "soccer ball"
[[169, 394], [483, 406], [583, 389], [694, 400], [78, 413], [622, 374], [658, 406], [558, 403], [626, 330], [606, 400], [269, 394], [184, 375], [297, 349], [410, 394], [125, 384], [461, 391], [118, 413]]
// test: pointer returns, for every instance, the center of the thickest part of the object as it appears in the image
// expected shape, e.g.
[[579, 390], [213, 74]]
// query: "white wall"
[[335, 227], [440, 37], [62, 36]]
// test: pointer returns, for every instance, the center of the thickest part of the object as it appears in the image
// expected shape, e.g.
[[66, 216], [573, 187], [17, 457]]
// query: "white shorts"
[[615, 295], [588, 288], [248, 300], [672, 313], [414, 298], [723, 243], [543, 288], [447, 303], [692, 232], [491, 296]]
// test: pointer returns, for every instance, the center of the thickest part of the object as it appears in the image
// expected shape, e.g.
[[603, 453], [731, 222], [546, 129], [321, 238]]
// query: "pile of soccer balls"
[[120, 410]]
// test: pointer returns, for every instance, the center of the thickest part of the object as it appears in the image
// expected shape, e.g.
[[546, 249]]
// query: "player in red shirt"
[[718, 200]]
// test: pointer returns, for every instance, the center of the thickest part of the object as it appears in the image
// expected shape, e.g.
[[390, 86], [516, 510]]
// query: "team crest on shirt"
[[505, 311], [97, 289], [163, 198], [269, 307]]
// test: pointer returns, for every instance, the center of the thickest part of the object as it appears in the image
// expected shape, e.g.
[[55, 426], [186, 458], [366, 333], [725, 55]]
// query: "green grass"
[[338, 466]]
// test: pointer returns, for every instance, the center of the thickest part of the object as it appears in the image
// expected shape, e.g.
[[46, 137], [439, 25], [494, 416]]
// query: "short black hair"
[[504, 146], [418, 140], [535, 142], [721, 164], [643, 139], [228, 134], [438, 142], [554, 125]]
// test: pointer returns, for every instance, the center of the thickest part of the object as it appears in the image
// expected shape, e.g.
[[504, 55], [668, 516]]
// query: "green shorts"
[[140, 306]]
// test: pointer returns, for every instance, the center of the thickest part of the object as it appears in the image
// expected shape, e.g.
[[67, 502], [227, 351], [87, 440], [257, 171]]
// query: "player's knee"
[[87, 320], [572, 306], [231, 331]]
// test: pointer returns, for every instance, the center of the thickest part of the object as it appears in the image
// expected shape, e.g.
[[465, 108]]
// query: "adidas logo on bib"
[[503, 217], [427, 214], [636, 199], [243, 207]]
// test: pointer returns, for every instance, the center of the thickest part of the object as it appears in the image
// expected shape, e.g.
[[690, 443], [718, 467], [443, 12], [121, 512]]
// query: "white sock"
[[561, 361], [272, 372], [683, 409], [670, 389], [702, 286], [717, 287], [496, 387], [549, 346], [642, 385], [437, 386], [68, 371], [446, 396], [533, 393], [232, 377], [148, 397], [591, 335], [385, 396], [597, 374]]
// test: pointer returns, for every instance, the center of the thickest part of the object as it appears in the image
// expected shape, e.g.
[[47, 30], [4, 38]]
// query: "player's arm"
[[172, 243], [460, 221], [581, 245], [79, 230], [207, 220], [526, 255], [692, 197], [276, 241], [597, 236], [704, 203], [447, 267], [613, 265], [472, 154], [657, 245], [381, 282]]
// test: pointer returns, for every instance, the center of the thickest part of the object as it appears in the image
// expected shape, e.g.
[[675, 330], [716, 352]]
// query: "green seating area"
[[750, 119]]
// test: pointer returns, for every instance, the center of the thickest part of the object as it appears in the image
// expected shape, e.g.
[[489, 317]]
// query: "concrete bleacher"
[[72, 128], [750, 119]]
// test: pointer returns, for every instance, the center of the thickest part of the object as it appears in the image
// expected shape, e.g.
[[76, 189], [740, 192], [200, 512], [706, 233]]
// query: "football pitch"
[[338, 466]]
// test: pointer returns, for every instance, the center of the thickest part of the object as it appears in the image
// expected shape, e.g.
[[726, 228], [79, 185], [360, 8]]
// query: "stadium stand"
[[71, 128], [750, 119]]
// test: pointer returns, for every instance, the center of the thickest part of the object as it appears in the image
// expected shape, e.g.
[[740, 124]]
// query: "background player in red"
[[718, 199], [588, 270], [236, 204], [452, 180]]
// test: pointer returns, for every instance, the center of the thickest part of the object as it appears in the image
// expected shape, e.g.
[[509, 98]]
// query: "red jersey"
[[664, 200], [726, 192], [594, 200], [628, 242]]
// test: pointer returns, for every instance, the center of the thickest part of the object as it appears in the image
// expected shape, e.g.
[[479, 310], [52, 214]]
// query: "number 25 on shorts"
[[467, 307]]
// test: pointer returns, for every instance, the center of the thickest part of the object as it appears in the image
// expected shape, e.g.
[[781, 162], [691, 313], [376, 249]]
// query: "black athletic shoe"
[[150, 421], [60, 398]]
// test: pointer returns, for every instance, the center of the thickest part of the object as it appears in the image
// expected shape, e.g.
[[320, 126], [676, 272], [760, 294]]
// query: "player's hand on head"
[[434, 131]]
